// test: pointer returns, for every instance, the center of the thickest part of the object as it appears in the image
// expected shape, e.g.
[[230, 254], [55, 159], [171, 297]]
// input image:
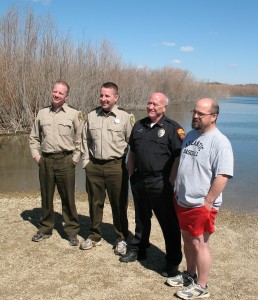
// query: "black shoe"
[[133, 255], [73, 241], [170, 271], [39, 236]]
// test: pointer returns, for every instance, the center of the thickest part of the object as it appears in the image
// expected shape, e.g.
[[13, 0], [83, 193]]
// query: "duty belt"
[[57, 154], [104, 161]]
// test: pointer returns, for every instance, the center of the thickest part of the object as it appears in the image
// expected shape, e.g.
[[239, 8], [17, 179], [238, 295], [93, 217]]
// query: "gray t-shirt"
[[203, 157]]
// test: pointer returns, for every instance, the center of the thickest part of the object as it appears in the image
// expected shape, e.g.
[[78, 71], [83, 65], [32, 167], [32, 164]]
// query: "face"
[[156, 106], [203, 118], [59, 95], [108, 98]]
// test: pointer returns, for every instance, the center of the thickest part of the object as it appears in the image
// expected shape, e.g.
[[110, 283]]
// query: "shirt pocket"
[[160, 145], [65, 128], [46, 128], [95, 131], [116, 132]]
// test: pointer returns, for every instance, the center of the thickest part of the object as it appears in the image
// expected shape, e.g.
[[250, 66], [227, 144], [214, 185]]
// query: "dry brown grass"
[[52, 269]]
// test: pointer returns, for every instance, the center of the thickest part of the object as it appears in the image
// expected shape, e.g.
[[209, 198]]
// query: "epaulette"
[[48, 106], [96, 108], [121, 108], [72, 106]]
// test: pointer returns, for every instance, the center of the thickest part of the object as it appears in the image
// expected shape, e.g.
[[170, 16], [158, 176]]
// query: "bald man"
[[155, 146]]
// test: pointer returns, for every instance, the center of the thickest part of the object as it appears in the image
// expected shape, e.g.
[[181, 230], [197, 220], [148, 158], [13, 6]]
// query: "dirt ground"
[[52, 269]]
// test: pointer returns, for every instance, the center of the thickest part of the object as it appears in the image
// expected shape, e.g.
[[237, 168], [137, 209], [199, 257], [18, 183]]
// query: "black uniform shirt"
[[156, 147]]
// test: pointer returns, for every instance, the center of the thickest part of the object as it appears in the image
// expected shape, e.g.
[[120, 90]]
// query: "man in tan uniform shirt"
[[57, 133], [104, 147]]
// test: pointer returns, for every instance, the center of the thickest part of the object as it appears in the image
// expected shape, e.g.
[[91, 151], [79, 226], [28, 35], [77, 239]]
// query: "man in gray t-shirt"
[[206, 164]]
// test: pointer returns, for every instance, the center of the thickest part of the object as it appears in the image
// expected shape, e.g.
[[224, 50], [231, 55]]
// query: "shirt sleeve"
[[84, 146], [177, 140], [35, 138], [78, 126]]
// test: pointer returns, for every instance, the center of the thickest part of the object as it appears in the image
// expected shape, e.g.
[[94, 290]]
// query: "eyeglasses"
[[200, 114]]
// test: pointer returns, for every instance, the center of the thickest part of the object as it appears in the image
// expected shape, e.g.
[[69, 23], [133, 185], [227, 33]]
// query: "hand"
[[37, 159], [208, 205]]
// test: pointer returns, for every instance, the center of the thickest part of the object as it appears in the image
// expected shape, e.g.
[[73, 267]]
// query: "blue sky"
[[215, 40]]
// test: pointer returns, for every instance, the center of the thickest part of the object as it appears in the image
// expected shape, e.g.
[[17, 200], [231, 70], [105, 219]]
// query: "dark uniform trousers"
[[153, 192], [58, 169], [110, 176]]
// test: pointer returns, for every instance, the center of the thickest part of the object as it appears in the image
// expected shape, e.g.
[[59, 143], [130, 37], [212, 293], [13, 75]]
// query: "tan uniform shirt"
[[57, 131], [105, 135]]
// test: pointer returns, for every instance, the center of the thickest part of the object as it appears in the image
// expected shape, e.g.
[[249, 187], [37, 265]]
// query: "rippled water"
[[238, 120]]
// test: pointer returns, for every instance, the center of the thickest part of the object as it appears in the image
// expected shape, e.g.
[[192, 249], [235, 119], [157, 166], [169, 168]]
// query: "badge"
[[132, 120], [117, 121], [181, 133], [161, 132]]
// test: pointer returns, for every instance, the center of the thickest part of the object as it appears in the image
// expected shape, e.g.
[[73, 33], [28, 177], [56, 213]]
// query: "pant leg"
[[167, 218], [47, 188], [116, 178], [65, 179], [143, 214], [96, 190]]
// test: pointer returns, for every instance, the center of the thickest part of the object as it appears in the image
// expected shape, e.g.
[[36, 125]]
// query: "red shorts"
[[196, 220]]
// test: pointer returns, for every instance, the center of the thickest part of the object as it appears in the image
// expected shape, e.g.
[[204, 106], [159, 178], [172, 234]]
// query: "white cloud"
[[177, 61], [187, 49], [168, 44]]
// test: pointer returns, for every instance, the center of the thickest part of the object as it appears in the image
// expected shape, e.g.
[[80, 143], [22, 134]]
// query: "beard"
[[196, 124]]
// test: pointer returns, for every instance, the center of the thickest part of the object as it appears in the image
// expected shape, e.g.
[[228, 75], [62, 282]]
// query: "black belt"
[[104, 161], [57, 154]]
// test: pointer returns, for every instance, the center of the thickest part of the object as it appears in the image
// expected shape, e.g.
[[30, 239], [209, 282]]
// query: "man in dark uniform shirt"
[[155, 146]]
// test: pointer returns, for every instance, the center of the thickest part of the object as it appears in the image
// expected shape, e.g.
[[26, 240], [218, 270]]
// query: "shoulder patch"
[[132, 120], [181, 133], [81, 117]]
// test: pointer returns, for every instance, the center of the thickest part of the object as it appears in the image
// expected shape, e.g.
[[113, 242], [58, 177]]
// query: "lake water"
[[238, 120]]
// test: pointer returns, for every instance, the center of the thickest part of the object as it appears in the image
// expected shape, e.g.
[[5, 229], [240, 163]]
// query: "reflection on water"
[[238, 121]]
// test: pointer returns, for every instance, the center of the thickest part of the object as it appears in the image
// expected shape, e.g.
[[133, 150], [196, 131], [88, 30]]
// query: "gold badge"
[[161, 132], [132, 120], [181, 133]]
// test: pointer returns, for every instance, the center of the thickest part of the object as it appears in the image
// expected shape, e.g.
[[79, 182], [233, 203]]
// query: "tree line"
[[33, 55]]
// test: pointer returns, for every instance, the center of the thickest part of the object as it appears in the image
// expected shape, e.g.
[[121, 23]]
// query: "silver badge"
[[116, 121], [161, 132]]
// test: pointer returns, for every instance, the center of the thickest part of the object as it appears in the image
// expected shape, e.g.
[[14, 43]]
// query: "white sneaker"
[[121, 248], [88, 244], [193, 291], [182, 279]]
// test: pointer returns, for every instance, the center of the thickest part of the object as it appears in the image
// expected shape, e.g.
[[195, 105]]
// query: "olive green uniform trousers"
[[58, 169], [107, 176]]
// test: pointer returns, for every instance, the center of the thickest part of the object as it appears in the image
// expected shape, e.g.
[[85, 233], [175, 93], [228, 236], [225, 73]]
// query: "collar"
[[113, 111], [64, 108], [160, 123]]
